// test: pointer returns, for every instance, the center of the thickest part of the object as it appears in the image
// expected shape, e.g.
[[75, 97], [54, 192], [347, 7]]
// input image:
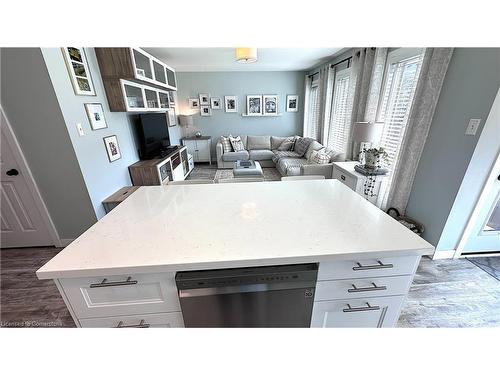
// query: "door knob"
[[12, 172]]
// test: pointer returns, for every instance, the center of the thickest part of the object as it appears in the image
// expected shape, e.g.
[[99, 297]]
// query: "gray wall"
[[102, 178], [219, 84], [469, 89], [30, 104]]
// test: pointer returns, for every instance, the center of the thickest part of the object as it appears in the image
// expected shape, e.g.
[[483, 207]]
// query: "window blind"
[[400, 85], [312, 129], [340, 124]]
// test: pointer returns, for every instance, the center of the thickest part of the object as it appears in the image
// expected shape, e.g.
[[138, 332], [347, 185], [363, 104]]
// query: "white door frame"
[[33, 188]]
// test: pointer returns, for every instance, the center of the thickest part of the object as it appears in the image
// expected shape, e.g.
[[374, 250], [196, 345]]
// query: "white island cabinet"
[[121, 272]]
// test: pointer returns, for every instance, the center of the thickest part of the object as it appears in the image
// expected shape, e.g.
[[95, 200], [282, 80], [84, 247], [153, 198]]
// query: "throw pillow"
[[301, 145], [287, 144], [334, 155], [237, 143], [319, 157], [226, 143]]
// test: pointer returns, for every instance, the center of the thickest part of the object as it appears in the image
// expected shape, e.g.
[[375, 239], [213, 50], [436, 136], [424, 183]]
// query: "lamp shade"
[[185, 120], [367, 132], [246, 55]]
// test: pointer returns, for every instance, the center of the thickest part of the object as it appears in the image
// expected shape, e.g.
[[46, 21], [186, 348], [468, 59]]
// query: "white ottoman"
[[249, 168]]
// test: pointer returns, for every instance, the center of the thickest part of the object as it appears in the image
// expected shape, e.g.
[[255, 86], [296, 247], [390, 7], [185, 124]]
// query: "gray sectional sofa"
[[265, 148]]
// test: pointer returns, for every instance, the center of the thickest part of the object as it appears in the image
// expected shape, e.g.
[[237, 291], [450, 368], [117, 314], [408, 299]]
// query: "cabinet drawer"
[[166, 320], [345, 178], [122, 295], [359, 288], [353, 269], [357, 313]]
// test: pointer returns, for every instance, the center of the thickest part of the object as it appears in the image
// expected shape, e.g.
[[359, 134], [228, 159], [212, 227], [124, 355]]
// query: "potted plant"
[[374, 158]]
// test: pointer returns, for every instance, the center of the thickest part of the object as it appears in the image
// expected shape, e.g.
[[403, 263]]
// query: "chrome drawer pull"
[[105, 283], [142, 324], [355, 289], [357, 309], [372, 267]]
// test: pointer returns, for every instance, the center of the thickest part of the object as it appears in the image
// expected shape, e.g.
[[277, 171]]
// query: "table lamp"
[[365, 135], [186, 121]]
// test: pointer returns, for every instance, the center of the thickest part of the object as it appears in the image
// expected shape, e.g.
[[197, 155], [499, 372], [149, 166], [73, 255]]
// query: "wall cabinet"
[[134, 80], [199, 147]]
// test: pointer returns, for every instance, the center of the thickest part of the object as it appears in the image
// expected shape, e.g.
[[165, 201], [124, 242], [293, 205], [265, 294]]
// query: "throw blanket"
[[284, 154]]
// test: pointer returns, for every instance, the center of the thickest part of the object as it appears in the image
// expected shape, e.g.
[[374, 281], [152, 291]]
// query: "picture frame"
[[194, 103], [205, 110], [215, 103], [254, 105], [204, 99], [292, 103], [172, 98], [171, 117], [95, 114], [270, 105], [112, 148], [231, 103], [78, 70]]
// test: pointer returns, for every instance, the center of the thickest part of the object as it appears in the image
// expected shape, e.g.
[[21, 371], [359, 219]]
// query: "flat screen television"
[[152, 134]]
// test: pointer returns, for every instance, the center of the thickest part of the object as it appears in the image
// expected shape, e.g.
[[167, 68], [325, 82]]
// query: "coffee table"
[[249, 168]]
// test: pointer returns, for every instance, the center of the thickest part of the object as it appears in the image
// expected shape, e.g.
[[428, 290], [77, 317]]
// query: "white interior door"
[[22, 222]]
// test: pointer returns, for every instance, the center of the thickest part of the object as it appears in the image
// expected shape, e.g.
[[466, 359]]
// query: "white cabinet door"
[[191, 148], [203, 150], [167, 320], [357, 313]]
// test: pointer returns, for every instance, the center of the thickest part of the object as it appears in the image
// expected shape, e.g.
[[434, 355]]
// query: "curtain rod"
[[340, 62], [312, 75]]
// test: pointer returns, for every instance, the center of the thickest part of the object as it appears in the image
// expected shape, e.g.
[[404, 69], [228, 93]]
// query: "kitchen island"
[[121, 271]]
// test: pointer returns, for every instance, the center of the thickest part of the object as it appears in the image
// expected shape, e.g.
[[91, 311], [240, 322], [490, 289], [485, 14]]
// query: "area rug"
[[270, 174], [490, 265]]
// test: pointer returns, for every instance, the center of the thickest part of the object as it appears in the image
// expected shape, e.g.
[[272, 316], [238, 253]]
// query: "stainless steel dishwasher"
[[274, 296]]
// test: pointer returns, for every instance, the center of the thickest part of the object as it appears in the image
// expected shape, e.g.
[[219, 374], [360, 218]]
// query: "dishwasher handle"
[[246, 288]]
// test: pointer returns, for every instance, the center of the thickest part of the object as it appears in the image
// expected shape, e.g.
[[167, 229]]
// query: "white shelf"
[[247, 115]]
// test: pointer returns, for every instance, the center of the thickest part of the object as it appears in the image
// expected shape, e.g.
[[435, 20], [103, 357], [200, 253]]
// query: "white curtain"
[[325, 94], [307, 94], [434, 66]]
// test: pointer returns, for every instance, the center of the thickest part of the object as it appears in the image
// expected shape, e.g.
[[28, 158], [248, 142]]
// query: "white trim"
[[443, 254], [30, 181]]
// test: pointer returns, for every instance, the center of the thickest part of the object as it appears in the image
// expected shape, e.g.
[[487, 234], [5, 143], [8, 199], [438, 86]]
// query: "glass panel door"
[[171, 77], [151, 98], [164, 102], [142, 65], [159, 72], [134, 96]]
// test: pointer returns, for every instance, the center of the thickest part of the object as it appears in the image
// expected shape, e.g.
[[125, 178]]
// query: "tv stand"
[[174, 166]]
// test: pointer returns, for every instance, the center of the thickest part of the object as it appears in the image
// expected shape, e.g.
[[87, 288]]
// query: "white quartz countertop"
[[189, 227]]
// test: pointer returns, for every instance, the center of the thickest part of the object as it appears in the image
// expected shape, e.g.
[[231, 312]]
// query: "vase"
[[372, 161]]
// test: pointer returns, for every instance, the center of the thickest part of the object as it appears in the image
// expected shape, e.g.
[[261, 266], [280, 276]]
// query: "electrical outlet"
[[80, 129], [472, 127]]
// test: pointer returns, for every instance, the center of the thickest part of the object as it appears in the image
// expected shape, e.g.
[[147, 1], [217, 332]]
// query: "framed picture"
[[112, 148], [78, 70], [206, 110], [270, 105], [292, 103], [254, 105], [194, 103], [171, 117], [231, 103], [215, 103], [204, 99], [95, 113]]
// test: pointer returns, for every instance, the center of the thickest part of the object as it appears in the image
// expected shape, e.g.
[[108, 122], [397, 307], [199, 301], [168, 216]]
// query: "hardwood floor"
[[445, 293]]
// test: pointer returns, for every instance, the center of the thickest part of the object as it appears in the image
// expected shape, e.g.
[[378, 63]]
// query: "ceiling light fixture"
[[246, 55]]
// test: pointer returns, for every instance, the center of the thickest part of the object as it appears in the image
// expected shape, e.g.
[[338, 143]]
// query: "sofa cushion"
[[319, 157], [260, 154], [334, 155], [258, 142], [287, 144], [314, 146], [226, 143], [237, 143], [234, 156], [276, 142], [290, 166], [301, 145], [284, 154]]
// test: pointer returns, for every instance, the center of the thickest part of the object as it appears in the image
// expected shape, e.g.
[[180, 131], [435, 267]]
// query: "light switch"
[[472, 127], [80, 129]]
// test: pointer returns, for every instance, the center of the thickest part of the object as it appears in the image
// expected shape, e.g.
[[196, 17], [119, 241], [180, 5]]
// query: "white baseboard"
[[66, 241], [443, 254]]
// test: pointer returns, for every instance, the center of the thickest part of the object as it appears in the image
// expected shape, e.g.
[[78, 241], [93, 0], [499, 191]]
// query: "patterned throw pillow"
[[287, 144], [237, 143], [226, 143], [301, 145], [319, 157]]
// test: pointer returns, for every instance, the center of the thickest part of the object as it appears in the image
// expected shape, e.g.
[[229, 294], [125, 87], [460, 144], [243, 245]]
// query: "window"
[[312, 125], [401, 76], [340, 119]]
